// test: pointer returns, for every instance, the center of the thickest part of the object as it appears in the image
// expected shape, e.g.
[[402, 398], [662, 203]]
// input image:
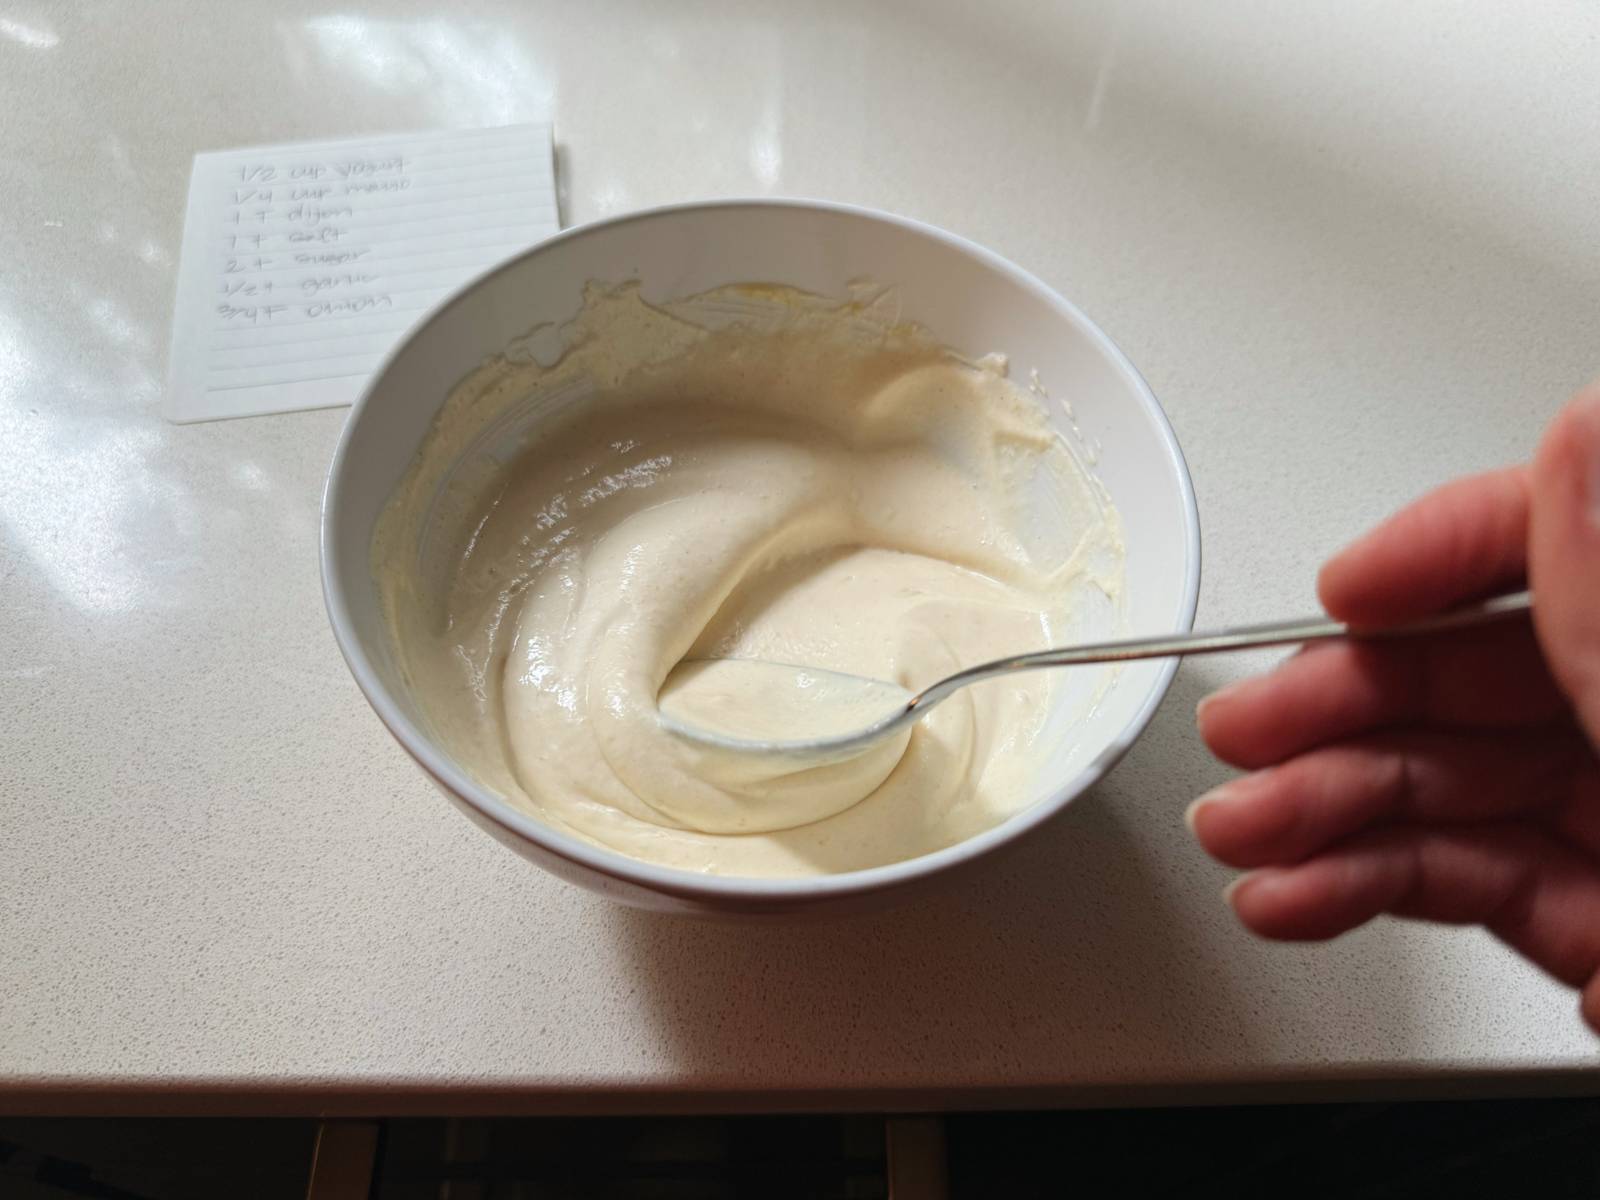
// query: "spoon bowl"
[[811, 717], [806, 715]]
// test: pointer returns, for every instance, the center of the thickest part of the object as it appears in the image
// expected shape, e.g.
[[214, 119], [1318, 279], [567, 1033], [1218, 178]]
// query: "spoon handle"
[[1241, 637]]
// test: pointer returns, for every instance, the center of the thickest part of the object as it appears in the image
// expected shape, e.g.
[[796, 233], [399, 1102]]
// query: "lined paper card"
[[303, 265]]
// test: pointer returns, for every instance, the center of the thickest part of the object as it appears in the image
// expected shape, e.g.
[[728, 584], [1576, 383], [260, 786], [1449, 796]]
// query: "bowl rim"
[[690, 885]]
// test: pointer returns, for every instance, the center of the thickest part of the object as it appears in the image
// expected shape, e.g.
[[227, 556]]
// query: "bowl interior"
[[967, 297]]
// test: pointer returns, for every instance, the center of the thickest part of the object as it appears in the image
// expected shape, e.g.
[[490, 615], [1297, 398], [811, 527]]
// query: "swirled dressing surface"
[[760, 473]]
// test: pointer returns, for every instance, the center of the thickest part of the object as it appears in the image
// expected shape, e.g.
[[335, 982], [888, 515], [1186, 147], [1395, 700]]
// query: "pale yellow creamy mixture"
[[754, 472]]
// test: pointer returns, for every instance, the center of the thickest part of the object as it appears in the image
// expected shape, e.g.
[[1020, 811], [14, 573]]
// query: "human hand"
[[1451, 779]]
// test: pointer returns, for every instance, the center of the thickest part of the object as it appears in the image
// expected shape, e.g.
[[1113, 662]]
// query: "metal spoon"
[[852, 713]]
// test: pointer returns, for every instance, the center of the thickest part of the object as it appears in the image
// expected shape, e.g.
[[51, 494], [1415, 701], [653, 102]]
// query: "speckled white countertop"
[[1354, 246]]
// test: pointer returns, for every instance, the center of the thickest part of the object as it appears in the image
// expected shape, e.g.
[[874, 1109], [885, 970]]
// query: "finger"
[[1564, 552], [1467, 539], [1536, 895], [1578, 820], [1288, 813], [1489, 677]]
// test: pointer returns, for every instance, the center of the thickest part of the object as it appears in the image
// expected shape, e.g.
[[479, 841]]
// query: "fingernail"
[[1223, 794], [1219, 794], [1220, 694], [1233, 886]]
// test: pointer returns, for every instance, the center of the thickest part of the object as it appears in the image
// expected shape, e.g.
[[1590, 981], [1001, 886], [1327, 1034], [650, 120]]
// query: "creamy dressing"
[[759, 702], [754, 473]]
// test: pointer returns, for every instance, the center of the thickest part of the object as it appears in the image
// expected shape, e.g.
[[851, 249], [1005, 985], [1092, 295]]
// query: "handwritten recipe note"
[[303, 265]]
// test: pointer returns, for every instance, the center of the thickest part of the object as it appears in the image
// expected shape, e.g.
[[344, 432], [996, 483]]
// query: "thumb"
[[1564, 553]]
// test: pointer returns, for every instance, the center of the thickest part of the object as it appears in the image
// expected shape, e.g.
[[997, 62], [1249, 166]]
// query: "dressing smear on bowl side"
[[754, 472]]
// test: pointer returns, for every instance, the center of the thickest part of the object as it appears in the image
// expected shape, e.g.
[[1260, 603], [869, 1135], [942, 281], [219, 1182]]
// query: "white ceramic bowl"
[[969, 298]]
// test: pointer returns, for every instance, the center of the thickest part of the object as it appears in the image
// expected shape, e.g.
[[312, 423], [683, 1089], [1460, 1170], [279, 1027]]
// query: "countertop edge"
[[405, 1098]]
